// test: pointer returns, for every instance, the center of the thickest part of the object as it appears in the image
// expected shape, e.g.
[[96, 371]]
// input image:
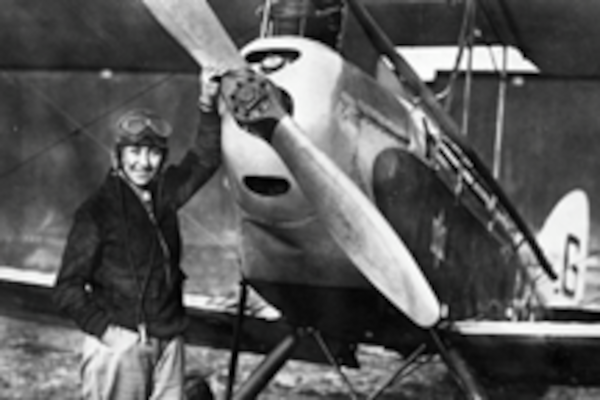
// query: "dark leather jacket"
[[115, 270]]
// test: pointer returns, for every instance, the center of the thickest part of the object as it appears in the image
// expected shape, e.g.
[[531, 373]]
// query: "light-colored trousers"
[[128, 369]]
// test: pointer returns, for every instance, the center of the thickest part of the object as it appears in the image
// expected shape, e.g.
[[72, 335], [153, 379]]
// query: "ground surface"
[[38, 362], [41, 362]]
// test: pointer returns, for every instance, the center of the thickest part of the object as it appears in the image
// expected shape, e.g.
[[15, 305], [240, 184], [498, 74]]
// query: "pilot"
[[120, 279]]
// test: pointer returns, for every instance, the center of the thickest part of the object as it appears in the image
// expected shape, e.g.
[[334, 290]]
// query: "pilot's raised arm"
[[120, 280]]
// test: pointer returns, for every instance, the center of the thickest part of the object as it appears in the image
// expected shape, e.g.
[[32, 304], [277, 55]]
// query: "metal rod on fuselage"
[[408, 76]]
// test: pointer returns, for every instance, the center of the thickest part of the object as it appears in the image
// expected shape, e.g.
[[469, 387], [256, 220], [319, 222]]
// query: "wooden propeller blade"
[[358, 226], [353, 220], [196, 27]]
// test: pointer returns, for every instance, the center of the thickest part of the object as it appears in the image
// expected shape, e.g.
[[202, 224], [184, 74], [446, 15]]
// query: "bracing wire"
[[82, 128], [463, 43]]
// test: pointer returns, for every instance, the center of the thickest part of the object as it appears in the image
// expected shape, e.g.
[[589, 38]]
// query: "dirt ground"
[[40, 362]]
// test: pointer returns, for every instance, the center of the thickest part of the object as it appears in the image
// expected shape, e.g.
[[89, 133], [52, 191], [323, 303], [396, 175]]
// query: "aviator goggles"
[[143, 127]]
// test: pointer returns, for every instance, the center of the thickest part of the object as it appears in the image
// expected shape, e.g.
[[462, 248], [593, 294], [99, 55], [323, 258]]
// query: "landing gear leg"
[[459, 369], [235, 347], [268, 367], [271, 364]]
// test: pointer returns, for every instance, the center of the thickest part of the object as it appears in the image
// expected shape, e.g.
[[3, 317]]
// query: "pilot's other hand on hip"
[[119, 338]]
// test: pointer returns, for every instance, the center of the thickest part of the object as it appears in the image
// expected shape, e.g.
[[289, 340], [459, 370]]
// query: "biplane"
[[363, 212]]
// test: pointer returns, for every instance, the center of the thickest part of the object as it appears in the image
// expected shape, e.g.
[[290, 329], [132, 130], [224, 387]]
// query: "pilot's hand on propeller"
[[210, 82], [254, 101]]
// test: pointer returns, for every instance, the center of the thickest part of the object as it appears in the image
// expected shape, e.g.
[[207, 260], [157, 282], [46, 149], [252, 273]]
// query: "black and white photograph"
[[299, 199]]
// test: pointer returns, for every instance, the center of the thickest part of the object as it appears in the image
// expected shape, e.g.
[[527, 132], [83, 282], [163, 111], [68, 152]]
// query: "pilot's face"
[[141, 163]]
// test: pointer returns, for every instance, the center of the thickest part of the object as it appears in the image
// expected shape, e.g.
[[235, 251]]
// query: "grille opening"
[[267, 185]]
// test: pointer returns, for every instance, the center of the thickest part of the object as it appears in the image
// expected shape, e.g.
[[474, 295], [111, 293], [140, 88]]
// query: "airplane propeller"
[[351, 218]]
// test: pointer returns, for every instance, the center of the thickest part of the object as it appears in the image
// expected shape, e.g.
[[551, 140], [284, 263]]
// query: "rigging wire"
[[503, 42], [463, 39], [81, 128]]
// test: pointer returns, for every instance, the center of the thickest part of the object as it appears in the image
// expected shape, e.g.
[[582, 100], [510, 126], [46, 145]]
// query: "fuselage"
[[383, 144]]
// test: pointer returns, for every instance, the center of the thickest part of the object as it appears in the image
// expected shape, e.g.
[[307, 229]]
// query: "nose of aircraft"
[[260, 182]]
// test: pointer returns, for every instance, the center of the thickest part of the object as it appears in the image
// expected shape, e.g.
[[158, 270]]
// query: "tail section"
[[564, 239]]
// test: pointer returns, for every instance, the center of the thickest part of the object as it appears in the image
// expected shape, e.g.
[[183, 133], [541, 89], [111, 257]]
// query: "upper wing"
[[108, 34], [556, 35], [121, 35]]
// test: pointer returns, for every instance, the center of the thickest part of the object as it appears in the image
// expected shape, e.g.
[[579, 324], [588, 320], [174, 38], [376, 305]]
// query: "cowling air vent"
[[267, 185]]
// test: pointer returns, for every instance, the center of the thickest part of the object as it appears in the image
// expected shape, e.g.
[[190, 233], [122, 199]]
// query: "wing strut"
[[409, 77]]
